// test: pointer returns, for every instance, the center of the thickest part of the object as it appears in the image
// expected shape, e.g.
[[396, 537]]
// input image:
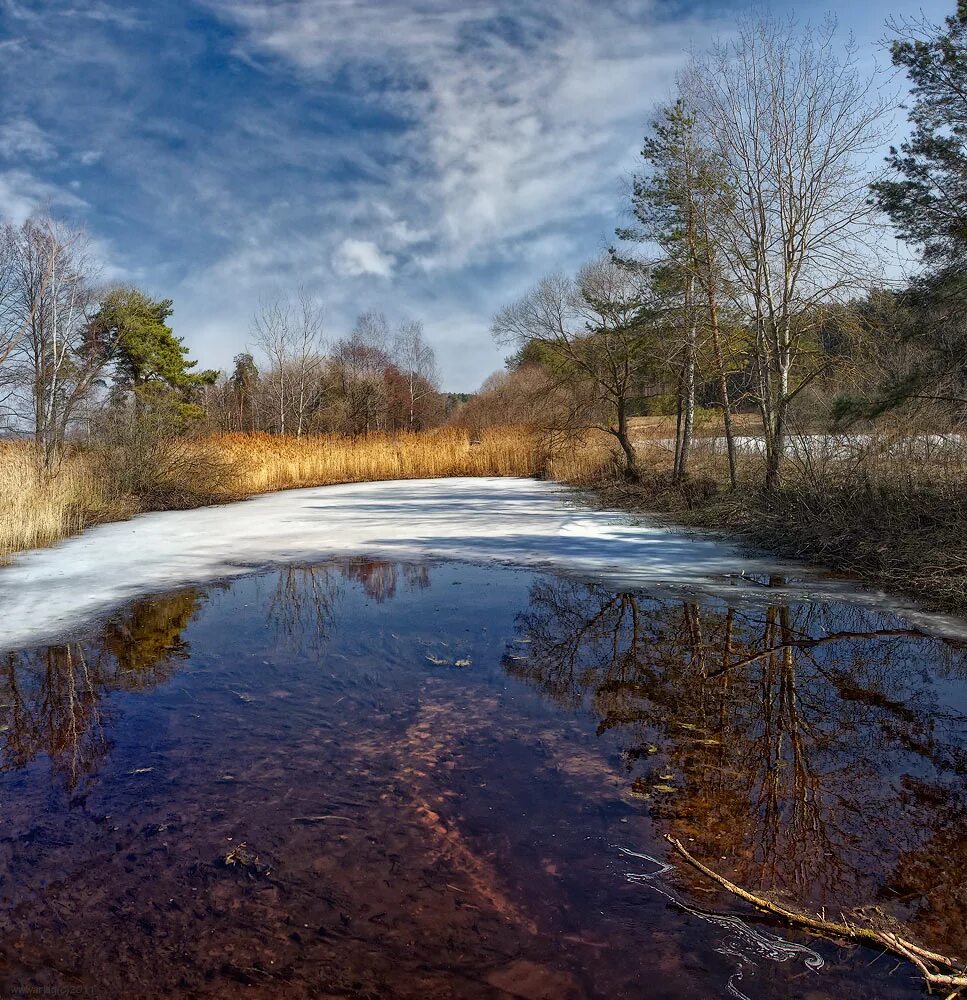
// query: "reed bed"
[[264, 462], [37, 507], [116, 479]]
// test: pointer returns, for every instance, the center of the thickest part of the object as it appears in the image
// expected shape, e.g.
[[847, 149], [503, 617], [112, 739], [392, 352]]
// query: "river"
[[266, 765]]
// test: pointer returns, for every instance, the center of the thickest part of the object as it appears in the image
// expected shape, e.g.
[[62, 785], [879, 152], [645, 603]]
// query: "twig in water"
[[953, 972]]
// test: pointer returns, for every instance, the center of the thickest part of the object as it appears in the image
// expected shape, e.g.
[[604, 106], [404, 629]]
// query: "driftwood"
[[936, 969]]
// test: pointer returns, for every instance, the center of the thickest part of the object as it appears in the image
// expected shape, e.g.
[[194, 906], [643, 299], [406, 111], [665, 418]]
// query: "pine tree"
[[150, 362], [928, 200]]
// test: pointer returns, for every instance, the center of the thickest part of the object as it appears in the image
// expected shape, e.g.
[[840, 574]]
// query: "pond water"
[[371, 778]]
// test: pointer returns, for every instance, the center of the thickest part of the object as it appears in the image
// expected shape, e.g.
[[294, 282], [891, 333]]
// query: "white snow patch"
[[47, 593]]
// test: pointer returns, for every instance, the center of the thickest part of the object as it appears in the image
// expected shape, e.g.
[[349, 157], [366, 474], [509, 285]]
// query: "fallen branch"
[[949, 972]]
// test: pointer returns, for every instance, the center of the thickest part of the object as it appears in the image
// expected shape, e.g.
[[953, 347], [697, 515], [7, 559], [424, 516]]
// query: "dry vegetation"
[[37, 509], [264, 462], [890, 508], [120, 478]]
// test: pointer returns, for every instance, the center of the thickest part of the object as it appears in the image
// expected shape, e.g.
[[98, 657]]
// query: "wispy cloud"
[[422, 156], [22, 138]]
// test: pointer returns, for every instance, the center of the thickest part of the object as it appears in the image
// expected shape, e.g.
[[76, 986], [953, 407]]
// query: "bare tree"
[[290, 336], [596, 336], [417, 363], [51, 358], [360, 363], [791, 122]]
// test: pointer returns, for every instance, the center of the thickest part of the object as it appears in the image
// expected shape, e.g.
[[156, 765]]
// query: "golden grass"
[[264, 462], [708, 423], [38, 508]]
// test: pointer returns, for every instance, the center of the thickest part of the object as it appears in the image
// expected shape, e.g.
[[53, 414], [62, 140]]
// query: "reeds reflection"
[[813, 750], [52, 699]]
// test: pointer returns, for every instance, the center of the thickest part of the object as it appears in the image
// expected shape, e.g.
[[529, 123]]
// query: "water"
[[371, 779]]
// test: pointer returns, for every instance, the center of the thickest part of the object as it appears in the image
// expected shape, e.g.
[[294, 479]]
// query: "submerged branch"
[[952, 974]]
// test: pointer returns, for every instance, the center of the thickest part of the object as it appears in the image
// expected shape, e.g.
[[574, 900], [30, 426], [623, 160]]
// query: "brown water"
[[369, 779]]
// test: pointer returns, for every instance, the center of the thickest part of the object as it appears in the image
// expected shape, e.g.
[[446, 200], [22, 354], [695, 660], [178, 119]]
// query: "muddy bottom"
[[369, 779]]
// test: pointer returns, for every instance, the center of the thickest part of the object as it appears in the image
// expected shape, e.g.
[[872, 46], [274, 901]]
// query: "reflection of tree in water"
[[804, 744], [304, 602], [380, 579], [50, 698]]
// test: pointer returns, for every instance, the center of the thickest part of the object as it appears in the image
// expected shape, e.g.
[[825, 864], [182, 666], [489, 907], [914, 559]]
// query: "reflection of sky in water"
[[422, 773]]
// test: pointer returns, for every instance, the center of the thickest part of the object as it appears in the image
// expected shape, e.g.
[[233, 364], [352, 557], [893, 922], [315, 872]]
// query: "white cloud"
[[22, 195], [355, 258], [22, 139]]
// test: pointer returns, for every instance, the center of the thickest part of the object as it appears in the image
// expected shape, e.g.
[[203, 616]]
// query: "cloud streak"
[[426, 157]]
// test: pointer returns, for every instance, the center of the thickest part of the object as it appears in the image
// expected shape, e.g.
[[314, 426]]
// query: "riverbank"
[[892, 513], [114, 480]]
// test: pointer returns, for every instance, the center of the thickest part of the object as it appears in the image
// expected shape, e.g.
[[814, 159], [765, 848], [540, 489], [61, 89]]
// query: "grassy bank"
[[891, 511]]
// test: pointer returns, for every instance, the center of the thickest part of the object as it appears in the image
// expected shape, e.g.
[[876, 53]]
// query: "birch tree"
[[289, 335], [417, 363], [51, 357]]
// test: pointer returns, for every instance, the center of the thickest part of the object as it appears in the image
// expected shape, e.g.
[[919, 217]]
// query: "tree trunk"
[[688, 379], [621, 433], [776, 438], [713, 313], [775, 445], [679, 416]]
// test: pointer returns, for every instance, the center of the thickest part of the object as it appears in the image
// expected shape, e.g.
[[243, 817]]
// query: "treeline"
[[752, 273], [374, 379], [79, 360]]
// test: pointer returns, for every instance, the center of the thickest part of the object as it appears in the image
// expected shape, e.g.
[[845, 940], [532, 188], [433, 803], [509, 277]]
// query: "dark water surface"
[[368, 779]]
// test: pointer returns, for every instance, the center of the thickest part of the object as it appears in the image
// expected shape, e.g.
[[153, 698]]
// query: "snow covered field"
[[828, 445], [47, 593]]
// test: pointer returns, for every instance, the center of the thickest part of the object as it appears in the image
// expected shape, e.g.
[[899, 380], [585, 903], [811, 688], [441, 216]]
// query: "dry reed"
[[107, 483], [37, 507], [264, 462]]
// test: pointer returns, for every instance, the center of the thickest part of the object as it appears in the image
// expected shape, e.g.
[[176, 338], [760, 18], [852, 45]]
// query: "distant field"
[[660, 428]]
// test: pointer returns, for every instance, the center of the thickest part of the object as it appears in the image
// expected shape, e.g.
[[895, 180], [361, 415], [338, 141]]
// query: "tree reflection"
[[810, 746], [303, 604], [380, 579], [51, 698]]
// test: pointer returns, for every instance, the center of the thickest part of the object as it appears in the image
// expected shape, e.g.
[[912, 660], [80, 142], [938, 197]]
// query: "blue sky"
[[431, 158]]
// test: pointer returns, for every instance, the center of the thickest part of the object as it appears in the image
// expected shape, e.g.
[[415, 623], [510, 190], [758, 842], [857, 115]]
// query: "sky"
[[429, 158]]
